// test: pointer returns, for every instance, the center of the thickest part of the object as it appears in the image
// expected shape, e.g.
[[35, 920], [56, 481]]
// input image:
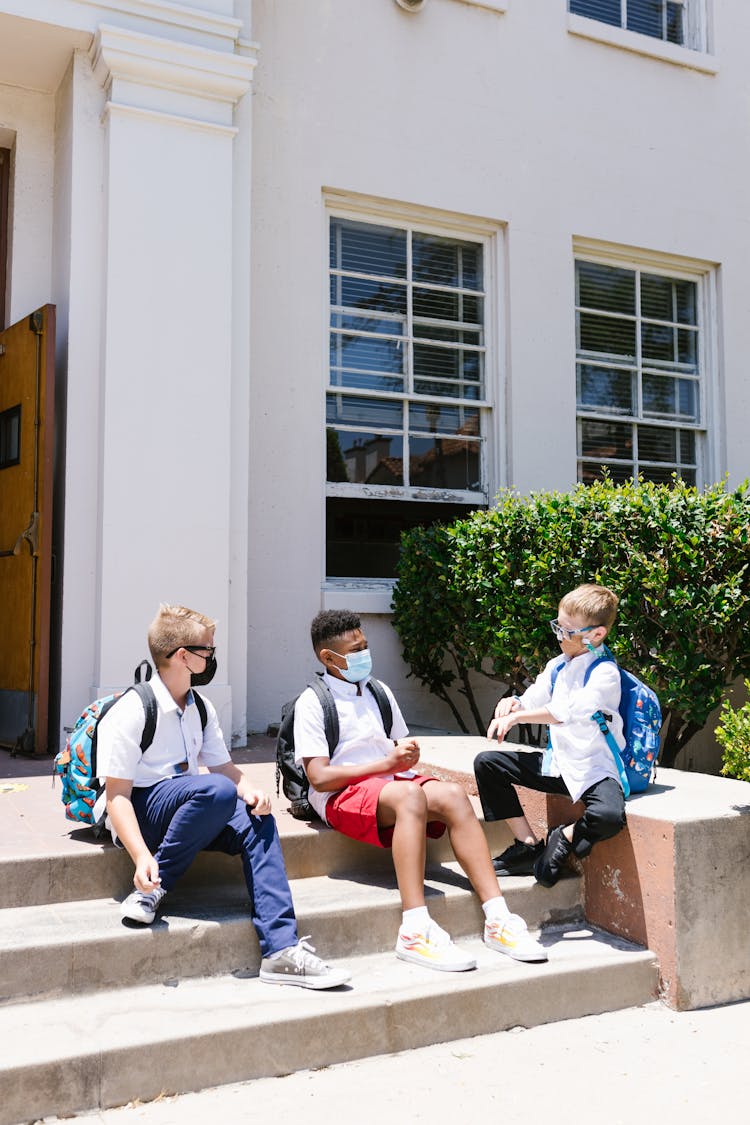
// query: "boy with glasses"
[[164, 811], [578, 763]]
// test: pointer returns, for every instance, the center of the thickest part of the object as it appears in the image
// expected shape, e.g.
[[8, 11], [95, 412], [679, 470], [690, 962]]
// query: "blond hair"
[[175, 626], [595, 605]]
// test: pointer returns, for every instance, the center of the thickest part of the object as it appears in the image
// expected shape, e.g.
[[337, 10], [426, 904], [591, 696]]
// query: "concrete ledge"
[[676, 880]]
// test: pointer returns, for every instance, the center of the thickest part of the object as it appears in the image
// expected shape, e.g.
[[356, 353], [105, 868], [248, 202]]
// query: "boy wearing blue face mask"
[[164, 810], [578, 764], [367, 789]]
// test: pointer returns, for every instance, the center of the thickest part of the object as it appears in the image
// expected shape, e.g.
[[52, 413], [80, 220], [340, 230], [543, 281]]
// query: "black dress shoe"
[[548, 867], [518, 859]]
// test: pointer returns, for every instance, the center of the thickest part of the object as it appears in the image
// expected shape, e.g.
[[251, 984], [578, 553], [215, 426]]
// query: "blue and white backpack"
[[75, 765], [641, 724]]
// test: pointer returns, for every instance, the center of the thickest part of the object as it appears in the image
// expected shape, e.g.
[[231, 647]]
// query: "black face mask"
[[198, 679]]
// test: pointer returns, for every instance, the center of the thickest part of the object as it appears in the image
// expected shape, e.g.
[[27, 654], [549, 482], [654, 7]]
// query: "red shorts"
[[354, 811]]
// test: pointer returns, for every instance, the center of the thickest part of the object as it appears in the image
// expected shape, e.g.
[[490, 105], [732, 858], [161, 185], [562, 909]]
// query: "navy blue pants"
[[184, 815]]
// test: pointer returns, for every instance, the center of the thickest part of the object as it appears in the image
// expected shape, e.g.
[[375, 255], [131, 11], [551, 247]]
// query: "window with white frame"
[[406, 401], [640, 388], [675, 21]]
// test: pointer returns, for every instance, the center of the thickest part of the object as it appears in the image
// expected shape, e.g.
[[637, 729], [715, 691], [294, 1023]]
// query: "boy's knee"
[[218, 790], [483, 761], [411, 800], [604, 823], [449, 799]]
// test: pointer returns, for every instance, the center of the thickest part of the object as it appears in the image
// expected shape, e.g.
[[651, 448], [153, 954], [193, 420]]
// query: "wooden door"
[[27, 354]]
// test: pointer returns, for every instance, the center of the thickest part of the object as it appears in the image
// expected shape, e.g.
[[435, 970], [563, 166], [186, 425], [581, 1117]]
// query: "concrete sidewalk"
[[633, 1067]]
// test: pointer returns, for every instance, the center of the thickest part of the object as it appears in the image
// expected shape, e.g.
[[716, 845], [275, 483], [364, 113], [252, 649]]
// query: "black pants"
[[497, 771]]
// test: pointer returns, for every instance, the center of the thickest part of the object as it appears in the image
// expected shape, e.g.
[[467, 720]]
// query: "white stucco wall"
[[507, 117], [189, 266]]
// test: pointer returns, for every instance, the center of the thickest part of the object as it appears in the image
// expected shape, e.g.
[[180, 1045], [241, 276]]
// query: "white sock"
[[495, 909], [418, 918]]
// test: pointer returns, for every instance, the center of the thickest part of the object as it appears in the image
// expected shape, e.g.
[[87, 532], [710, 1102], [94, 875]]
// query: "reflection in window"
[[406, 394], [638, 348]]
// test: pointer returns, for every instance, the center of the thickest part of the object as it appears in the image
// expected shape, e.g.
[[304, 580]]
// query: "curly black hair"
[[332, 623]]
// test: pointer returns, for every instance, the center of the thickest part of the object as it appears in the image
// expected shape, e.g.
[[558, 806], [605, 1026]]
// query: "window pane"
[[687, 346], [363, 534], [353, 410], [645, 17], [448, 335], [444, 463], [607, 335], [366, 248], [372, 296], [686, 302], [433, 304], [606, 439], [687, 446], [666, 397], [606, 389], [608, 11], [454, 365], [607, 288], [658, 342], [657, 296], [434, 418], [589, 471], [446, 262], [388, 326], [656, 444], [365, 458], [366, 353], [675, 23]]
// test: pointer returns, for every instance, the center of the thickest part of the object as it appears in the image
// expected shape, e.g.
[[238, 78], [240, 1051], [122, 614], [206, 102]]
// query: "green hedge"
[[477, 596]]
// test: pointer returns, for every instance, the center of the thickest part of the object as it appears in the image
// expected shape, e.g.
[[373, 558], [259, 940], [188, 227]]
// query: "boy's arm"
[[501, 724], [122, 814], [255, 799], [328, 778]]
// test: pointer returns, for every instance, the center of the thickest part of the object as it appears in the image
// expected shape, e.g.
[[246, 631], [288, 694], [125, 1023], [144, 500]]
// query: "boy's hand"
[[146, 876], [405, 754], [258, 802], [504, 718]]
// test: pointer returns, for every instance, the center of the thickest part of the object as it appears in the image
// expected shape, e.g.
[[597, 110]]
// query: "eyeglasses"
[[568, 634], [206, 651]]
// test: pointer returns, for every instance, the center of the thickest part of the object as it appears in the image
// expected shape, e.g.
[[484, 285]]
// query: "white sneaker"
[[142, 906], [299, 965], [511, 935], [432, 948]]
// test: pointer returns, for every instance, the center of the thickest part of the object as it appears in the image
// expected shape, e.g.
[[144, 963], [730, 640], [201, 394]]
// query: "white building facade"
[[325, 268]]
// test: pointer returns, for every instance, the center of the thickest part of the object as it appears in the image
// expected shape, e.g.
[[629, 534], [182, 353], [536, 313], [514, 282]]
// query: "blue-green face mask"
[[358, 666]]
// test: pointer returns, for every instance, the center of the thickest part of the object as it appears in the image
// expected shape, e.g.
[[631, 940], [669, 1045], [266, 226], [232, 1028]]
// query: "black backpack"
[[289, 772]]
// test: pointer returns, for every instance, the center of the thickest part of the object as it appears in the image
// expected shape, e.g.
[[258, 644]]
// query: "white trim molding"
[[642, 44], [164, 64]]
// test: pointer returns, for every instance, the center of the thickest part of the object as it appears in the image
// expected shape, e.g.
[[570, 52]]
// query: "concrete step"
[[81, 947], [44, 859], [66, 1055]]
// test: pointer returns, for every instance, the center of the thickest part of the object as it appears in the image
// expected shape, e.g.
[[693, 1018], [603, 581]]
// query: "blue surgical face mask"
[[358, 666]]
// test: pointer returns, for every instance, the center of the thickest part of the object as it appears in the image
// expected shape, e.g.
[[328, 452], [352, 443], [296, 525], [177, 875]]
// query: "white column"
[[166, 418]]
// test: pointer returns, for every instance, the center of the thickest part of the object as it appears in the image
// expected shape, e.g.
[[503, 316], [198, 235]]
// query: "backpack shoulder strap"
[[148, 699], [200, 703], [556, 672], [604, 657], [384, 704], [330, 714]]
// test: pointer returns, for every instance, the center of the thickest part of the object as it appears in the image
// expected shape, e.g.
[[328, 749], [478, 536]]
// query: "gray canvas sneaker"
[[299, 965]]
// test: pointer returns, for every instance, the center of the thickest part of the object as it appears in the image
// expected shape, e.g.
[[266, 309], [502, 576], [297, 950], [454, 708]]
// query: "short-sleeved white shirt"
[[580, 753], [361, 735], [178, 739]]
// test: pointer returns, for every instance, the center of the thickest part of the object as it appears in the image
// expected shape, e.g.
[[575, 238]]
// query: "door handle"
[[31, 535]]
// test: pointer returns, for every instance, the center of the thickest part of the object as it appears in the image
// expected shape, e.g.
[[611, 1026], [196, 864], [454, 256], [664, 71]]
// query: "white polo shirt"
[[361, 735], [580, 753], [178, 739]]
